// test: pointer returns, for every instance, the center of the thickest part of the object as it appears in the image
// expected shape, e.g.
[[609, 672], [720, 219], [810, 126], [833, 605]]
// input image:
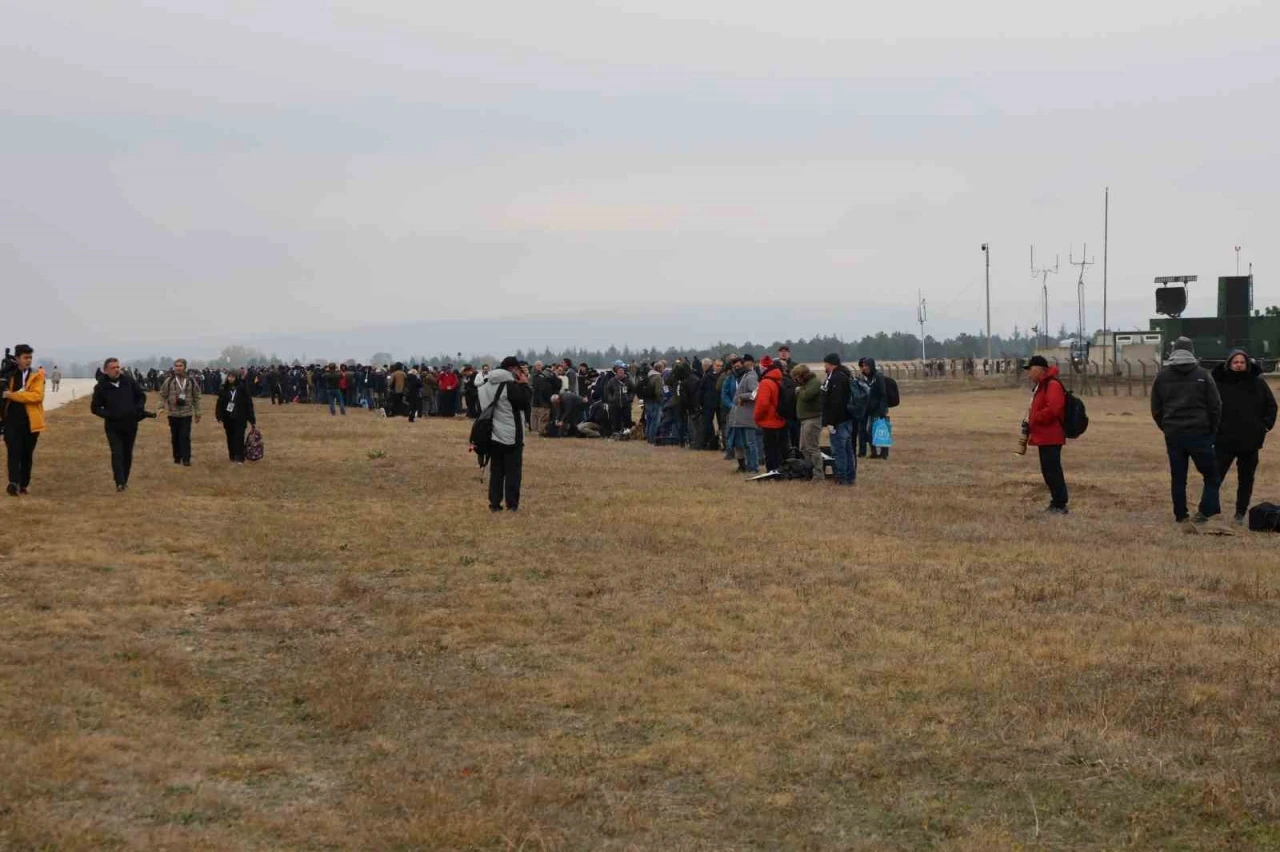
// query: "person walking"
[[809, 413], [836, 391], [22, 413], [772, 424], [1186, 406], [121, 403], [180, 400], [234, 411], [1044, 428], [509, 387], [1248, 414]]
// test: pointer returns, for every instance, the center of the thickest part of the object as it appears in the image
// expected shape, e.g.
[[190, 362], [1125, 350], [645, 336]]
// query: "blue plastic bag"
[[881, 432]]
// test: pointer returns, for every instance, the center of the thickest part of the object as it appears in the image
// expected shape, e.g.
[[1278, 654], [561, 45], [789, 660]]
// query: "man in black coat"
[[121, 403], [1248, 414], [1185, 404]]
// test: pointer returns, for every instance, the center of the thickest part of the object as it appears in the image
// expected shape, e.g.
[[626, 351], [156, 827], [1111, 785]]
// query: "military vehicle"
[[1237, 325]]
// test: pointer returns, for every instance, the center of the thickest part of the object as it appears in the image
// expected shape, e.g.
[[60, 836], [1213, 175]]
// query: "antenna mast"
[[1083, 263], [921, 315], [1044, 294]]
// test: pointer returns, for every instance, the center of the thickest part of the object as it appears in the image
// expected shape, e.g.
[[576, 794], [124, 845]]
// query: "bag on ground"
[[1265, 517], [881, 432]]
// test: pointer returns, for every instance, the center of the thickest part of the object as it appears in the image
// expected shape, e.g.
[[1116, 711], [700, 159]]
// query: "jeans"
[[180, 437], [652, 417], [1246, 467], [844, 460], [121, 437], [774, 442], [21, 444], [506, 466], [1197, 449], [1051, 470], [335, 395], [744, 438]]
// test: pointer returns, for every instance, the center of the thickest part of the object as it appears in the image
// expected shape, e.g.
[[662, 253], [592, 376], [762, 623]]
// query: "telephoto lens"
[[1023, 434]]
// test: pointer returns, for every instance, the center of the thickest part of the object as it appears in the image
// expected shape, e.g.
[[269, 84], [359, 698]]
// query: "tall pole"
[[986, 250], [1106, 222]]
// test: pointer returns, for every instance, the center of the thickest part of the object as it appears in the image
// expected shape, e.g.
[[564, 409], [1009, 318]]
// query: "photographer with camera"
[[22, 412], [121, 403], [1043, 429], [180, 399]]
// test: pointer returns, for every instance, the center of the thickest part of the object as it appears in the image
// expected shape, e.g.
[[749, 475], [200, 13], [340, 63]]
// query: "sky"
[[198, 174]]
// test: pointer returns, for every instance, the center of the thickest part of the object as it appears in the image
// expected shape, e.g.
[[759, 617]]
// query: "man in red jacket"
[[1045, 432], [771, 424]]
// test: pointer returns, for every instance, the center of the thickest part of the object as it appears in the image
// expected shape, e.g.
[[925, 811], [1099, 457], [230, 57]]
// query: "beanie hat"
[[833, 359]]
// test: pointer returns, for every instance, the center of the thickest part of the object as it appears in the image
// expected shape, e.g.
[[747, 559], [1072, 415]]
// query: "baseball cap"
[[1035, 361]]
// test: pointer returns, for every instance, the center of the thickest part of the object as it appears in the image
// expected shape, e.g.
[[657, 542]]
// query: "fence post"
[[1128, 378]]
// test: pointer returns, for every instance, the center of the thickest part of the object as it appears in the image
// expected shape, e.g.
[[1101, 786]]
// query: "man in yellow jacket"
[[22, 410]]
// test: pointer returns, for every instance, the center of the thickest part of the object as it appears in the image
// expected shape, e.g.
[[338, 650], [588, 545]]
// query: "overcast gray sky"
[[214, 170]]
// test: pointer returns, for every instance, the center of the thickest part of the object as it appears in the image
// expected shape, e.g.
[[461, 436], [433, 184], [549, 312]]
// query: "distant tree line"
[[884, 346]]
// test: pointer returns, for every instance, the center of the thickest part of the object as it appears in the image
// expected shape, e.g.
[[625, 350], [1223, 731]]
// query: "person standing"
[[509, 385], [234, 411], [1187, 407], [809, 412], [180, 399], [1248, 414], [121, 403], [413, 393], [22, 413], [56, 378], [772, 424], [1044, 428], [741, 421], [877, 407], [836, 417], [332, 383]]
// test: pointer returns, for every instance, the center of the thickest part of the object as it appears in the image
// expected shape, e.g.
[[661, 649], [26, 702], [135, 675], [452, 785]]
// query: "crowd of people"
[[769, 416]]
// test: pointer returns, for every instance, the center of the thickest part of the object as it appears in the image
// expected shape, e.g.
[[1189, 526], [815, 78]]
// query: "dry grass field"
[[330, 650]]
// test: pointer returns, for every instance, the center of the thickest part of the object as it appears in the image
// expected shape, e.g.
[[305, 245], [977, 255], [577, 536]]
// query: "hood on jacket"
[[1183, 361], [870, 362], [680, 371], [499, 376], [1223, 371], [773, 373], [1051, 373]]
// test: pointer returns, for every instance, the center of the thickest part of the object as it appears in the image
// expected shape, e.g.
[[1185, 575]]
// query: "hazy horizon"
[[231, 173]]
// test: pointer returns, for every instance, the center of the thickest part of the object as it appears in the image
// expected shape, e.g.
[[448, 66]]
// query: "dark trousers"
[[506, 464], [415, 407], [1196, 449], [775, 441], [709, 441], [277, 396], [20, 441], [1246, 467], [235, 439], [1051, 470], [180, 437], [121, 437]]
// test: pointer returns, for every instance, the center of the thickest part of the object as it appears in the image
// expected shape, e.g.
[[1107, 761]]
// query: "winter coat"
[[28, 397], [742, 414], [1185, 399], [172, 388], [513, 406], [809, 399], [546, 384], [878, 393], [120, 401], [766, 408], [708, 395], [1248, 407], [835, 397], [243, 401], [686, 391], [728, 386], [1048, 408]]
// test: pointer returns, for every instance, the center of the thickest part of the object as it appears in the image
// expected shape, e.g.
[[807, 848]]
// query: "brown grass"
[[329, 651]]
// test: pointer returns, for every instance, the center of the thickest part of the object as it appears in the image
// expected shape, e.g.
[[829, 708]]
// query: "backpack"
[[644, 393], [795, 469], [891, 392], [787, 399], [1265, 517], [482, 429], [859, 395], [1075, 418]]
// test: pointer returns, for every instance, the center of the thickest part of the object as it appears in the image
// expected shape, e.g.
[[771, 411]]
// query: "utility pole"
[[1044, 293], [1237, 260], [920, 318], [986, 251], [1106, 223], [1083, 262]]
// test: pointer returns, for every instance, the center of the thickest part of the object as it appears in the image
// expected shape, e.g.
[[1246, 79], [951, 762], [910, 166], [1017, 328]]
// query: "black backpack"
[[482, 429], [1265, 517], [859, 397], [891, 392], [795, 469], [1075, 418], [787, 399]]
